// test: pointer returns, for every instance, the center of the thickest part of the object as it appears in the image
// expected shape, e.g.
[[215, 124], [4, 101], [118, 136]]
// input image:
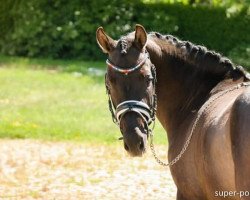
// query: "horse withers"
[[203, 103]]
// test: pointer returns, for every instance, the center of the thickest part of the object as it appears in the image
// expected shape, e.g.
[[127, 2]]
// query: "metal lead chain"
[[201, 111]]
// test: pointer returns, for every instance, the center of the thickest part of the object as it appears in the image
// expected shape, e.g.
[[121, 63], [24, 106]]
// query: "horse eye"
[[112, 80]]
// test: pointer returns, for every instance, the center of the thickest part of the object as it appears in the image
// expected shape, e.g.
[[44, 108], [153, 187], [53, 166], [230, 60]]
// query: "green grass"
[[60, 65], [46, 99]]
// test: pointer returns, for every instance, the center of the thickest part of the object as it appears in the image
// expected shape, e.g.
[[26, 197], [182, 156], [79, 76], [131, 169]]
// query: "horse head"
[[130, 83]]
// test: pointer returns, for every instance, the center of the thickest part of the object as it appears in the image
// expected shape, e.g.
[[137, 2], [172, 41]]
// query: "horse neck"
[[181, 90]]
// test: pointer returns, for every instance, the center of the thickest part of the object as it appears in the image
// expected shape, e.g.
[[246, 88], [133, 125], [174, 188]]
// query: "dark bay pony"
[[190, 78]]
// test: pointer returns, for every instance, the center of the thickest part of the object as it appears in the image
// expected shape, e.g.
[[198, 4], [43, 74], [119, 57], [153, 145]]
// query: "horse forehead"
[[129, 38], [125, 60]]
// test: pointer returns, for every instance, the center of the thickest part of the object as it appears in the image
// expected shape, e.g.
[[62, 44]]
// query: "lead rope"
[[201, 111]]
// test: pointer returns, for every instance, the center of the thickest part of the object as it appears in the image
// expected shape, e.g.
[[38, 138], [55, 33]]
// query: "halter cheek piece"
[[146, 112]]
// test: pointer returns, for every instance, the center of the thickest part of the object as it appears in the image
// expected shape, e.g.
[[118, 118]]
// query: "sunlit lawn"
[[56, 100]]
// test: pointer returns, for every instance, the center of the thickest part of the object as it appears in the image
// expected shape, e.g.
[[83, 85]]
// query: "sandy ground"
[[66, 170]]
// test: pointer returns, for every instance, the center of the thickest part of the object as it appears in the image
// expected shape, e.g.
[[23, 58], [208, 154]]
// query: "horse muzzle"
[[135, 140], [134, 117]]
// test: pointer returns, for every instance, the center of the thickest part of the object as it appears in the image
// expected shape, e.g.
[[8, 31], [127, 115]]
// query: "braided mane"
[[202, 58]]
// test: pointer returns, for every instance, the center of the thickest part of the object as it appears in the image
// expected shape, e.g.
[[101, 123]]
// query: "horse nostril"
[[141, 146], [126, 147]]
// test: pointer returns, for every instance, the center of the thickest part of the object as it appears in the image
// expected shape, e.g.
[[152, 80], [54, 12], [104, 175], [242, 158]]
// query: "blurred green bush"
[[66, 29]]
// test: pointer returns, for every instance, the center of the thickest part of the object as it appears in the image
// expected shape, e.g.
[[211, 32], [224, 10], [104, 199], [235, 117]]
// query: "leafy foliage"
[[241, 55], [66, 29], [63, 28]]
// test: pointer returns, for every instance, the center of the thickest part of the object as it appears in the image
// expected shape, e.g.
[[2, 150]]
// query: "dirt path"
[[65, 170]]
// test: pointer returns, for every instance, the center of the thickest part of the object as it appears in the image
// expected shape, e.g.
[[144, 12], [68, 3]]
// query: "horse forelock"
[[200, 57], [125, 42], [124, 45]]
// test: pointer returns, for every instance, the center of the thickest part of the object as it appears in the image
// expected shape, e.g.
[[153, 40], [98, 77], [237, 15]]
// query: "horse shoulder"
[[240, 136], [240, 122], [215, 147]]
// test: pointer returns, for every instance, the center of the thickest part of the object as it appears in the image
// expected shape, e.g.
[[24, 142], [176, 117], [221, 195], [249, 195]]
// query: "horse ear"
[[105, 42], [140, 36]]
